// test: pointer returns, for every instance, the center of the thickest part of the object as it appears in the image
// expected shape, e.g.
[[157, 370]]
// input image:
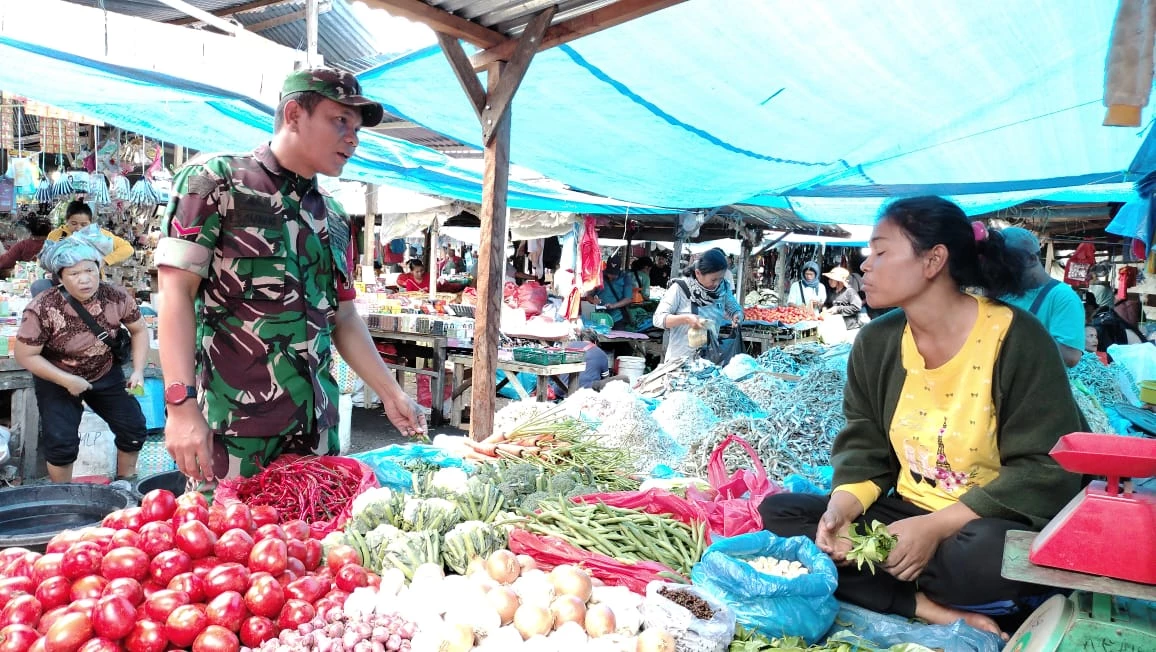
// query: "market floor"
[[371, 430]]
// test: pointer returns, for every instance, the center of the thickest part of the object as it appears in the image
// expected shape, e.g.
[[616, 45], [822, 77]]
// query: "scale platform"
[[1090, 620], [1109, 528]]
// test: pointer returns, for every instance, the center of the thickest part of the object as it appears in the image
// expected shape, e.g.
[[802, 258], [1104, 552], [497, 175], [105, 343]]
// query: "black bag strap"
[[1041, 296], [96, 328], [686, 290]]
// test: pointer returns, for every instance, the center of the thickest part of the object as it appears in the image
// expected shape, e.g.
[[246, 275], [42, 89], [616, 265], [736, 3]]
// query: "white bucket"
[[631, 366]]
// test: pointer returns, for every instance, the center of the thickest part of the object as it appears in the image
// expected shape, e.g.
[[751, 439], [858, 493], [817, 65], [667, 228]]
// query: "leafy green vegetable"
[[870, 547], [137, 390]]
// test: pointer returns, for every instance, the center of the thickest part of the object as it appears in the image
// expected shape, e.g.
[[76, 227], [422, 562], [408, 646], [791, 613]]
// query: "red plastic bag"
[[226, 491], [732, 507], [651, 501], [532, 297], [552, 551]]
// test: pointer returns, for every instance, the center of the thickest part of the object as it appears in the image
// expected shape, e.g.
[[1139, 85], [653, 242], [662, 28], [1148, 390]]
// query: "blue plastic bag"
[[886, 630], [774, 606], [388, 463]]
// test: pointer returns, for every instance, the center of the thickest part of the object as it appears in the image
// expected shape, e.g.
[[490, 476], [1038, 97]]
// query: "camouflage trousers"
[[248, 455]]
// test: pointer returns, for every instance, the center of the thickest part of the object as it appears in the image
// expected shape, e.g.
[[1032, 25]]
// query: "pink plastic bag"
[[532, 298], [732, 507], [651, 501], [226, 491], [552, 551]]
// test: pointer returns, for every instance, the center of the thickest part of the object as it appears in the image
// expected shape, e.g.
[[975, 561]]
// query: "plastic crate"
[[534, 355], [461, 310]]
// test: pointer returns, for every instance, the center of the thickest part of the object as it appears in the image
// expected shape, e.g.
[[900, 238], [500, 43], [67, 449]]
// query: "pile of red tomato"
[[172, 573], [783, 314]]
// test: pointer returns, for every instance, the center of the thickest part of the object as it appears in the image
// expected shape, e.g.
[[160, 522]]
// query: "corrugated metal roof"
[[153, 10], [340, 36], [511, 16]]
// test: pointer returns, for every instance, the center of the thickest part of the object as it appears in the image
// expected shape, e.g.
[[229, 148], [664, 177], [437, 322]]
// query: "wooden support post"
[[432, 272], [782, 283], [370, 234], [178, 156], [493, 110], [312, 57], [495, 183], [741, 272]]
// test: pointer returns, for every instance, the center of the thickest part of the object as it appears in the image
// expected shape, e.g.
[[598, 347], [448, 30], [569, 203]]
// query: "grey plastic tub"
[[174, 481], [31, 515]]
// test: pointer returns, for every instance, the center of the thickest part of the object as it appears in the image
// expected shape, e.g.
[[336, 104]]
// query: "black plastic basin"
[[174, 481], [30, 516]]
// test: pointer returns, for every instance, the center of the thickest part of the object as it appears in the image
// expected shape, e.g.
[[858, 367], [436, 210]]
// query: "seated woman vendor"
[[952, 404], [414, 280]]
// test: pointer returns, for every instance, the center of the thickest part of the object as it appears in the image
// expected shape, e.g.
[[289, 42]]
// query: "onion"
[[503, 566], [505, 602], [482, 580], [527, 562], [475, 565], [532, 620], [427, 572], [568, 609], [458, 638], [599, 621], [569, 580], [654, 640]]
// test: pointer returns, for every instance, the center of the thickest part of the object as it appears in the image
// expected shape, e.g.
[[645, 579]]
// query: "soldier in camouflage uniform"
[[256, 271]]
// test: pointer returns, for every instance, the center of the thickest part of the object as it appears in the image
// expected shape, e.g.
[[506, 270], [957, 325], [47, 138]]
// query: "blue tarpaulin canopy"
[[207, 118], [820, 107]]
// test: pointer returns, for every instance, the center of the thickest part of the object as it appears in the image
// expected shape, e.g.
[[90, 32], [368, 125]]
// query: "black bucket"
[[30, 516], [174, 481]]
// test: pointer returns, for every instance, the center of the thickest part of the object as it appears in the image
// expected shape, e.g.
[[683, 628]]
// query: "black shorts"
[[60, 414]]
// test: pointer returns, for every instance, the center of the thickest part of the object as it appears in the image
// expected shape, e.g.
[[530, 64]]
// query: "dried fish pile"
[[796, 436], [726, 400], [516, 413], [1107, 382], [799, 359], [685, 417], [768, 392]]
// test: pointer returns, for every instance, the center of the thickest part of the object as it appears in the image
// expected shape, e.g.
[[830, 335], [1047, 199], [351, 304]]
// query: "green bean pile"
[[624, 534]]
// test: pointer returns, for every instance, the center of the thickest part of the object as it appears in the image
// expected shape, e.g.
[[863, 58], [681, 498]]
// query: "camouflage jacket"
[[276, 256]]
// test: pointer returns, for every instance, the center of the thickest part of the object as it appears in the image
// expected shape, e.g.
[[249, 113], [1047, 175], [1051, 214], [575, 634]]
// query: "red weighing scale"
[[1103, 544]]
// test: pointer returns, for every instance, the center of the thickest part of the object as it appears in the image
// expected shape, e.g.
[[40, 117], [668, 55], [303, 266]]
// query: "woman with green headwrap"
[[72, 365]]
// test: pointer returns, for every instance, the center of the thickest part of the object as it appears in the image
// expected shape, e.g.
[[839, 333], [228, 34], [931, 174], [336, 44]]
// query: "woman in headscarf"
[[71, 365], [846, 302], [808, 291], [701, 297], [77, 216]]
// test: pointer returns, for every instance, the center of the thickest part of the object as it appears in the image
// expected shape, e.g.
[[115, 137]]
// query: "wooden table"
[[543, 372], [758, 342], [432, 348]]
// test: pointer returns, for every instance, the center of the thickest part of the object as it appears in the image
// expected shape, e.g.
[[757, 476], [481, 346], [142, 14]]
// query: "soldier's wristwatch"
[[178, 393]]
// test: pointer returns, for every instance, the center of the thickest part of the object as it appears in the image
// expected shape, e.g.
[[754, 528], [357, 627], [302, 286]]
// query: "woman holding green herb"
[[952, 404]]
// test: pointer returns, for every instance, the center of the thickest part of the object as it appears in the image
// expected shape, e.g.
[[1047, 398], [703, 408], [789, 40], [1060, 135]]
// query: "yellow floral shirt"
[[944, 430]]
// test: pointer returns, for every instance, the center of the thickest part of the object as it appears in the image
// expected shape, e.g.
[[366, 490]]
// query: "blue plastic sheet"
[[886, 630], [388, 463], [775, 606]]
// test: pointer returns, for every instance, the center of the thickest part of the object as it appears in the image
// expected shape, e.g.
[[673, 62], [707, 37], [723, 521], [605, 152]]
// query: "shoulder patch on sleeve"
[[202, 185]]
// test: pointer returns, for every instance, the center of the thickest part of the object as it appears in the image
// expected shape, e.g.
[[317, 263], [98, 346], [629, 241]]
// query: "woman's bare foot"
[[937, 614]]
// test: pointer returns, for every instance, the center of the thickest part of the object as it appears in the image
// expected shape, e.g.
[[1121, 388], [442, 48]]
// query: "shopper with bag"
[[952, 404], [701, 298], [71, 339], [846, 304]]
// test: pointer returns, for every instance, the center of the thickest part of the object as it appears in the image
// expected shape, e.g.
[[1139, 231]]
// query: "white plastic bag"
[[1139, 359], [690, 634], [833, 330], [97, 454]]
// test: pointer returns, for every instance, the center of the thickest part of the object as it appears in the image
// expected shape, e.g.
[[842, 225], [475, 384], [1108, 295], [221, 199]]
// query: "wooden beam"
[[441, 21], [285, 20], [491, 268], [203, 16], [311, 15], [465, 73], [220, 13], [615, 14], [498, 100]]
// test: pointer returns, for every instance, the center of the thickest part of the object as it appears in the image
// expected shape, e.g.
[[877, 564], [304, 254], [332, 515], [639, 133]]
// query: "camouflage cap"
[[340, 86]]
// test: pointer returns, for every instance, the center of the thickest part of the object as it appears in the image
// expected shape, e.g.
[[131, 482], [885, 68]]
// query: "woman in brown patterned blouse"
[[71, 365]]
